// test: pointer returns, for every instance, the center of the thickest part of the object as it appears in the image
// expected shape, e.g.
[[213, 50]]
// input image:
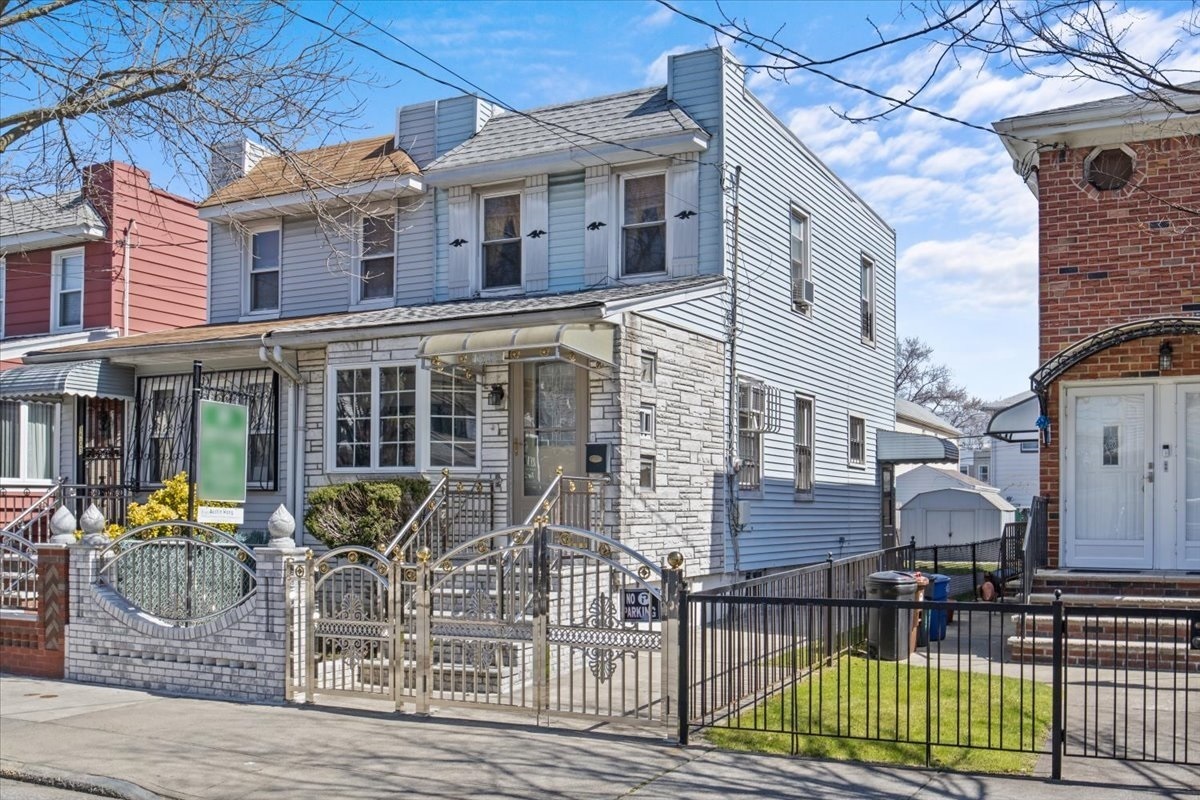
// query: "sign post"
[[223, 435]]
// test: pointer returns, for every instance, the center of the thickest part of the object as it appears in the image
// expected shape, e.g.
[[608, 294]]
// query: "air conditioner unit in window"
[[802, 293]]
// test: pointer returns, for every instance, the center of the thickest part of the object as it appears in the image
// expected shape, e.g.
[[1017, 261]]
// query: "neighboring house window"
[[804, 446], [964, 469], [802, 288], [27, 440], [867, 295], [453, 417], [858, 441], [376, 425], [649, 369], [646, 472], [983, 473], [377, 262], [502, 241], [3, 281], [264, 268], [68, 289], [162, 435], [644, 225], [750, 424], [646, 420], [1029, 447]]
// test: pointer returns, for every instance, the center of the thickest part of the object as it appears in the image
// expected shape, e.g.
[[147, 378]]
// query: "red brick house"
[[115, 257], [1117, 395]]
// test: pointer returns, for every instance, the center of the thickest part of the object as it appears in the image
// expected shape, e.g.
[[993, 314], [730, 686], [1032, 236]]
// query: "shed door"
[[948, 527]]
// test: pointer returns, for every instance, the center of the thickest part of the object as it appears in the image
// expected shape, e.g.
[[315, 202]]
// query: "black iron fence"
[[930, 681], [843, 577], [969, 565]]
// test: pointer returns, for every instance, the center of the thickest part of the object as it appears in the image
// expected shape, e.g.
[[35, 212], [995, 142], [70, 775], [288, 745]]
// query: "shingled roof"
[[359, 161], [627, 116], [56, 212]]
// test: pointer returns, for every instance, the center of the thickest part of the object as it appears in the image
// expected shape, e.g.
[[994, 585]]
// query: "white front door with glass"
[[549, 421], [1131, 476]]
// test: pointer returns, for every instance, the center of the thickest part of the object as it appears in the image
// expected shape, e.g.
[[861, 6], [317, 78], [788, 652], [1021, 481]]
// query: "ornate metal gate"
[[546, 619]]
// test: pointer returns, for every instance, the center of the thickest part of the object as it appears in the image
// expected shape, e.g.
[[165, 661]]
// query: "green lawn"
[[956, 567], [857, 697]]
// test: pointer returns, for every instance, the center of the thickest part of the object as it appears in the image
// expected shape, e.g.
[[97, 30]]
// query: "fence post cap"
[[92, 523], [281, 525], [62, 525], [675, 559]]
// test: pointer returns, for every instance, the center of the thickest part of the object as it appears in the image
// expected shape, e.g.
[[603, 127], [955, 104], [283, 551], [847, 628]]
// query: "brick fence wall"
[[33, 642]]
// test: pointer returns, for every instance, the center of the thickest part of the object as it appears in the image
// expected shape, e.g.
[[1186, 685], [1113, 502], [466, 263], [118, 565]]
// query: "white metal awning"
[[587, 345], [95, 378], [1017, 422], [898, 447]]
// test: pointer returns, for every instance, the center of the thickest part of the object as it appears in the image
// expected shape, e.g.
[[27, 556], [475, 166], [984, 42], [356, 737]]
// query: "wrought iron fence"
[[456, 510], [27, 510], [843, 577], [968, 565], [185, 573], [18, 573], [1034, 548], [575, 501]]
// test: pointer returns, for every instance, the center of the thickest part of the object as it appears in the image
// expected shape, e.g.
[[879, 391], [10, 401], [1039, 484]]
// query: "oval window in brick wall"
[[1109, 169]]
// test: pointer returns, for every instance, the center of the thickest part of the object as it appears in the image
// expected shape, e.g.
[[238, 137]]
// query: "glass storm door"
[[1187, 477], [549, 421], [1108, 478]]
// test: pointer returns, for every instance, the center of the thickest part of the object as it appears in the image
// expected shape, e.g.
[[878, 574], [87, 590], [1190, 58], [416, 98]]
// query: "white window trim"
[[3, 295], [653, 461], [799, 306], [872, 298], [480, 221], [56, 259], [647, 411], [1035, 449], [617, 242], [651, 357], [358, 301], [805, 494], [23, 446], [423, 385], [850, 418], [248, 262]]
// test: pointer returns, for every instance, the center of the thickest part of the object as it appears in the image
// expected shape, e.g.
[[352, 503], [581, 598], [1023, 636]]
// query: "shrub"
[[366, 513], [168, 503]]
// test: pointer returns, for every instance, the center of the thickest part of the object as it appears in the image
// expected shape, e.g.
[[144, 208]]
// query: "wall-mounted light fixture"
[[1165, 356], [495, 396]]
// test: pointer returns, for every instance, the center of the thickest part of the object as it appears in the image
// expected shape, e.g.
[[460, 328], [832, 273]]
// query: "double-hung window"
[[502, 241], [27, 440], [376, 425], [804, 447], [264, 267], [377, 260], [857, 455], [867, 298], [644, 225], [802, 287], [68, 289]]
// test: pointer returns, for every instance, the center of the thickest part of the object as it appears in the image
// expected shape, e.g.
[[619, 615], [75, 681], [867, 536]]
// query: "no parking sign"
[[641, 605]]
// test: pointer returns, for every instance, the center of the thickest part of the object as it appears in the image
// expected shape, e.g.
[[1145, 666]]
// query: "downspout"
[[731, 511], [273, 357], [125, 263]]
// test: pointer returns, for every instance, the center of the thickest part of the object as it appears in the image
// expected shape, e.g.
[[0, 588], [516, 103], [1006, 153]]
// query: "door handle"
[[1150, 472]]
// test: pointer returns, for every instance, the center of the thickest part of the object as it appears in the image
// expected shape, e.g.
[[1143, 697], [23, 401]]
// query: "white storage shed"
[[954, 516]]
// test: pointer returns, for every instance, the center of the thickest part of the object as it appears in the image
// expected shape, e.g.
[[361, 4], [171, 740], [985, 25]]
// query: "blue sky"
[[965, 223]]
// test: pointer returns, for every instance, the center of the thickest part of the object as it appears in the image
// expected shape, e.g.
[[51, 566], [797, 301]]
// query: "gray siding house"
[[661, 290]]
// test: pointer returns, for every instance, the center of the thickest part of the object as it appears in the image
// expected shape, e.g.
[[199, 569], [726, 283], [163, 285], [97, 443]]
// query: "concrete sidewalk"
[[134, 744]]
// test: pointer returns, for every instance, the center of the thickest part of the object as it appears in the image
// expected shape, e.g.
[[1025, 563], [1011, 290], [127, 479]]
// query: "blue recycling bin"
[[939, 591]]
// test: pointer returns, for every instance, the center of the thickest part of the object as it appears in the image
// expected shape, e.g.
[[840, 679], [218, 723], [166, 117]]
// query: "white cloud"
[[656, 73], [982, 273], [659, 16]]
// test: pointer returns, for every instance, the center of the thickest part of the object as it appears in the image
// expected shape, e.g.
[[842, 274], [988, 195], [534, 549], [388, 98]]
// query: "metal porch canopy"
[[587, 345], [1017, 422], [898, 447], [94, 378]]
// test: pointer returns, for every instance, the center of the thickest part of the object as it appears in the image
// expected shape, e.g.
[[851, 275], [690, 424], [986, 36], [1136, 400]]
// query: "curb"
[[76, 781]]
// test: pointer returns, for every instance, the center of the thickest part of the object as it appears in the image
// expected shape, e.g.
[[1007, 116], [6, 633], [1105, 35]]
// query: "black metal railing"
[[969, 565], [1034, 548], [843, 577]]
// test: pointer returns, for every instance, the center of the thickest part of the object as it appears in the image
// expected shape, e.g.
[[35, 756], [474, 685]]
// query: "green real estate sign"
[[223, 435]]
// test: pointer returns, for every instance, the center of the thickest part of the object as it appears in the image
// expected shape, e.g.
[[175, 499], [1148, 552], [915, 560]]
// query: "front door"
[[101, 441], [548, 407], [1131, 477]]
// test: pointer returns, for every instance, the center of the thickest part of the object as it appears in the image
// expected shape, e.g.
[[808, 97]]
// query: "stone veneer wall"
[[238, 656], [685, 511]]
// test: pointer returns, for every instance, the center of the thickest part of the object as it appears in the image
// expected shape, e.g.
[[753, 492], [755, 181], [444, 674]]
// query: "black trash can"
[[888, 628]]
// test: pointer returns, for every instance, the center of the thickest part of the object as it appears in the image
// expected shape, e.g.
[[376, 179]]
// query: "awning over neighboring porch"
[[588, 345], [95, 378], [1017, 422], [898, 447]]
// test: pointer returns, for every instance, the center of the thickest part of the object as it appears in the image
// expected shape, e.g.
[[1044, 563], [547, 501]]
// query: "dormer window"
[[644, 225], [377, 264], [502, 241], [264, 270]]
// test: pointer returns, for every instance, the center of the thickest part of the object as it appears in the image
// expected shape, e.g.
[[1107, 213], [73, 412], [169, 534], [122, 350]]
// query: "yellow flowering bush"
[[168, 503]]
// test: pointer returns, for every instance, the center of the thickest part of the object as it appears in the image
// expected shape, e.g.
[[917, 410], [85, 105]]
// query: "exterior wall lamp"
[[495, 396], [1165, 356]]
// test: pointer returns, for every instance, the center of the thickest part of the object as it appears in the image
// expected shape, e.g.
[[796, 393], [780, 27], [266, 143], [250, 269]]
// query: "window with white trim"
[[649, 368], [377, 257], [3, 289], [501, 261], [802, 288], [67, 280], [644, 224], [804, 447], [646, 472], [857, 455], [397, 417], [758, 414], [983, 472], [1029, 447], [867, 299], [27, 440], [263, 268], [646, 420]]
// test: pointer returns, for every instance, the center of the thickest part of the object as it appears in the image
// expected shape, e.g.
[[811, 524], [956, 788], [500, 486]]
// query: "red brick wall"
[[1108, 257], [35, 645], [1136, 359]]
